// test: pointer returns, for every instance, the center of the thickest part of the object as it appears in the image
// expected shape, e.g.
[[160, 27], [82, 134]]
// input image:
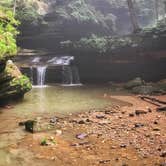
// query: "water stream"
[[41, 72], [69, 71]]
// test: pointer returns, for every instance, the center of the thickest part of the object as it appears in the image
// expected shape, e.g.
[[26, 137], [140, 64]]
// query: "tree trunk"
[[133, 17], [157, 9], [14, 7], [164, 10]]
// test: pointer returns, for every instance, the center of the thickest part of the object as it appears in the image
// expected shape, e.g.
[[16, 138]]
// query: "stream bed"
[[52, 100]]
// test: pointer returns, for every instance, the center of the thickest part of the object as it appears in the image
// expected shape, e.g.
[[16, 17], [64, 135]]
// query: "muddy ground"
[[113, 136]]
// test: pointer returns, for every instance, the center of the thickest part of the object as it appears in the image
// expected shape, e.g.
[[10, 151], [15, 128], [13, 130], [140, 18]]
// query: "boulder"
[[134, 83], [12, 83], [146, 90], [161, 84], [38, 125]]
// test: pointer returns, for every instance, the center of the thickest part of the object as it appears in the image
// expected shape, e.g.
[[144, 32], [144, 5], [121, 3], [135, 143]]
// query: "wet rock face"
[[145, 90], [12, 83], [134, 83], [139, 86]]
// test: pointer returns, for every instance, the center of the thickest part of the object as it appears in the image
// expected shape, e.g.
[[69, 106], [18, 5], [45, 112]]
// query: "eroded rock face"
[[134, 83], [146, 90], [12, 83]]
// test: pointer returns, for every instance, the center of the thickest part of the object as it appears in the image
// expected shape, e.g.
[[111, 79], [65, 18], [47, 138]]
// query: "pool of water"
[[52, 100], [64, 100]]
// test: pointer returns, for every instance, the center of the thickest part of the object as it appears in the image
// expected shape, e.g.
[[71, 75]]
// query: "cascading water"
[[41, 73], [70, 76], [76, 76], [66, 65], [67, 76]]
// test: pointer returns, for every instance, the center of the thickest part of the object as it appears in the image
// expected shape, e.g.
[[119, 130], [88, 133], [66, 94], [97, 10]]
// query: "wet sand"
[[113, 136]]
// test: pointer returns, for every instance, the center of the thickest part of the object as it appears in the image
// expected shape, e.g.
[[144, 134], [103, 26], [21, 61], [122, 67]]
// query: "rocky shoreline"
[[128, 135]]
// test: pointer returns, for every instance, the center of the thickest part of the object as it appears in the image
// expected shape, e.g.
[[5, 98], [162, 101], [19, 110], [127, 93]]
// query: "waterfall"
[[76, 76], [70, 76], [41, 72]]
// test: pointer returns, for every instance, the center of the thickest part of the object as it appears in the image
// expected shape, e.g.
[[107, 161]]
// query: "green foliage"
[[101, 44], [94, 42], [82, 12], [7, 3], [77, 10], [22, 82], [8, 33], [43, 142], [27, 12]]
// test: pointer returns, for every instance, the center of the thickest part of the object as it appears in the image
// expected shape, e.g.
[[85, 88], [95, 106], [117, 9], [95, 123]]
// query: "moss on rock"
[[13, 83]]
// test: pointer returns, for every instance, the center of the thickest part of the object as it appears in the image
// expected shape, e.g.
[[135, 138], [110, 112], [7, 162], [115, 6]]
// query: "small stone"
[[131, 114], [54, 120], [81, 136], [149, 109], [104, 161], [100, 116], [138, 125], [21, 123], [58, 132], [155, 122], [29, 125], [163, 154], [107, 112], [113, 147], [88, 120], [123, 145], [156, 129], [81, 122], [147, 135], [124, 164], [138, 112]]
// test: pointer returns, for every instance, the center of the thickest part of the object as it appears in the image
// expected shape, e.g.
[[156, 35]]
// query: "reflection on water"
[[64, 99]]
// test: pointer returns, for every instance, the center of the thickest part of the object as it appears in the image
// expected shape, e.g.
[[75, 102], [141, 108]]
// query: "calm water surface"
[[51, 99], [64, 99]]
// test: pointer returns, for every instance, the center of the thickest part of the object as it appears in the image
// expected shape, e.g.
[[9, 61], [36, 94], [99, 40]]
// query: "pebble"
[[163, 154], [155, 122], [123, 145], [138, 112], [100, 116], [58, 132], [81, 122], [156, 129], [104, 161], [53, 120], [138, 125], [81, 136], [131, 114]]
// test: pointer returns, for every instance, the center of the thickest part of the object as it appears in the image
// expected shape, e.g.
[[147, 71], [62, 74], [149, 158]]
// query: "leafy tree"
[[8, 33]]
